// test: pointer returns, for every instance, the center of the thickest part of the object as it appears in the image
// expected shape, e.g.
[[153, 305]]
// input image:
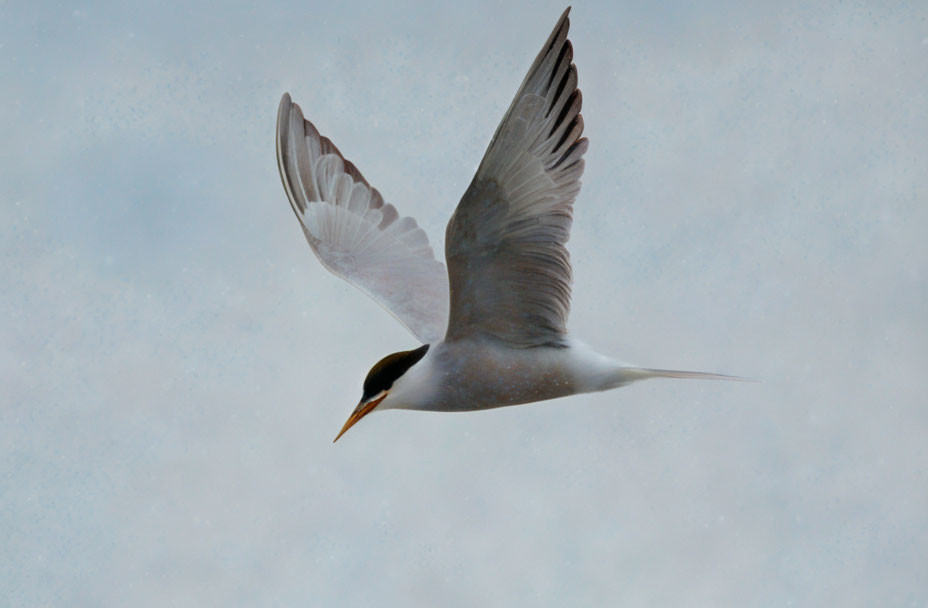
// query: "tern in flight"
[[493, 326]]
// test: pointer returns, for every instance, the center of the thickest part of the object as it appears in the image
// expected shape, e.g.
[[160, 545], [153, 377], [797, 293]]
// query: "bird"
[[493, 323]]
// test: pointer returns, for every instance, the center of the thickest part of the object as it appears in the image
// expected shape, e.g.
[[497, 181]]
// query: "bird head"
[[380, 380]]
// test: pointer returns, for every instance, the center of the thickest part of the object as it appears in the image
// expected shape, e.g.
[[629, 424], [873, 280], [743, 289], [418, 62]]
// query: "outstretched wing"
[[354, 233], [505, 244]]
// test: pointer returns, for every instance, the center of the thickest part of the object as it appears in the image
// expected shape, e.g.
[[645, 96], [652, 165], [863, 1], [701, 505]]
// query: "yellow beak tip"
[[361, 411]]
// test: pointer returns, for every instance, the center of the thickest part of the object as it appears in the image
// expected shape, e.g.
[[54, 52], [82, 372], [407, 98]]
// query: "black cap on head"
[[387, 370]]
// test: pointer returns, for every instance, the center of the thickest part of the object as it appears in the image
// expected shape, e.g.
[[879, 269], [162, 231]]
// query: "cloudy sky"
[[175, 362]]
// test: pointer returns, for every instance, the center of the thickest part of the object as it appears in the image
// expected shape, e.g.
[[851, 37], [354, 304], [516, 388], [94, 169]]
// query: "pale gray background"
[[175, 363]]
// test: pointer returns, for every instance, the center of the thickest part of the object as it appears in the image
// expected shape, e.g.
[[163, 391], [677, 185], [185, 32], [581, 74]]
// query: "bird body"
[[481, 373], [494, 324]]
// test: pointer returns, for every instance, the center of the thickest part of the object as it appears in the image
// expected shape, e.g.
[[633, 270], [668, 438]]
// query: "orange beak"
[[363, 409]]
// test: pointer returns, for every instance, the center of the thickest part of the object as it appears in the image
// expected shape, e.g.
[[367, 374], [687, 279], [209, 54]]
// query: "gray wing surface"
[[508, 265], [354, 233]]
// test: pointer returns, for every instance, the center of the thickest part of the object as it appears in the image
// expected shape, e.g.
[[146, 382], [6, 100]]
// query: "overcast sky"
[[175, 362]]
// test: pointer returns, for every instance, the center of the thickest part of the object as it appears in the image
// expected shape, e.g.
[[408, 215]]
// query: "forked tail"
[[595, 372], [630, 374], [637, 373]]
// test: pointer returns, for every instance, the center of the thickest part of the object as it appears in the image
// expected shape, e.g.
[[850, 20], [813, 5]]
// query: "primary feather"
[[505, 244], [354, 233]]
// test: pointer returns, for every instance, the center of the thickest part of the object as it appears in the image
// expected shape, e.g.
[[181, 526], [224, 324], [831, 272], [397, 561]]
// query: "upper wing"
[[505, 244], [354, 233]]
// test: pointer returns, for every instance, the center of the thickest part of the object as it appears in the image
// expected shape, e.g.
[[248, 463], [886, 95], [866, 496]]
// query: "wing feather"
[[508, 265], [354, 233]]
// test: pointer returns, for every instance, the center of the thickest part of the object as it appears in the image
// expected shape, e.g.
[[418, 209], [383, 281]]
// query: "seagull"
[[493, 325]]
